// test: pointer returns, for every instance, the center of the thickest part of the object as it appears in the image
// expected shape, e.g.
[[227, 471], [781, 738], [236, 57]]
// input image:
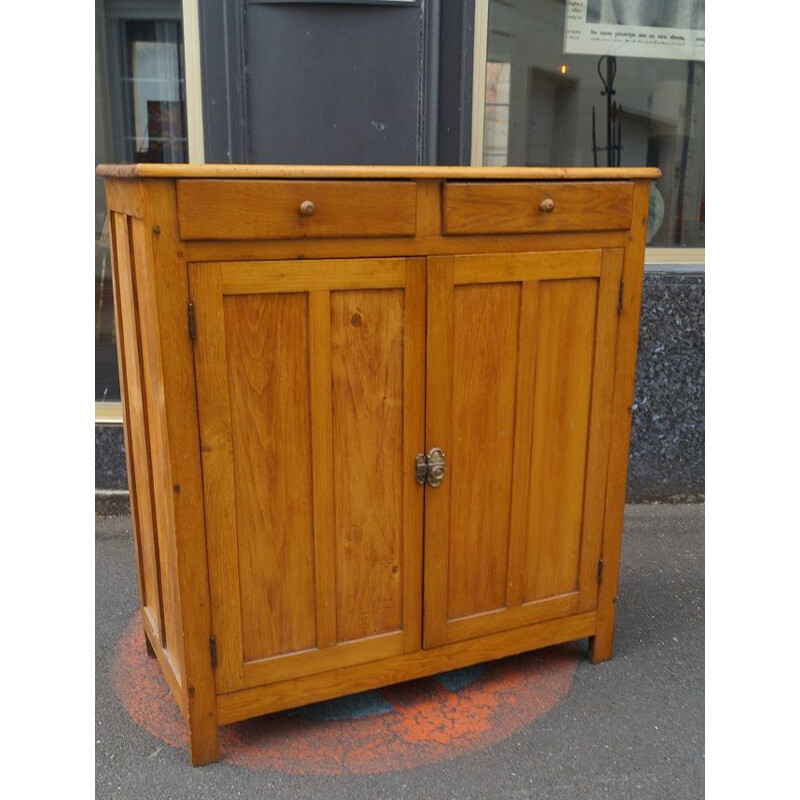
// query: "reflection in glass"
[[545, 117], [154, 89], [495, 138], [140, 116]]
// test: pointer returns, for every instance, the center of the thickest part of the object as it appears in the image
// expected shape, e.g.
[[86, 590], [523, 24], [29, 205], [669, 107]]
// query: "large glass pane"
[[140, 116], [604, 82]]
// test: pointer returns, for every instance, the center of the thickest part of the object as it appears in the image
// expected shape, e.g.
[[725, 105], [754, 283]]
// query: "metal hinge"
[[192, 325], [600, 571], [213, 647], [621, 293]]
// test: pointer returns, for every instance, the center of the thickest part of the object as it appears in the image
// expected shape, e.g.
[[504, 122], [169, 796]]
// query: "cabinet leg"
[[203, 742], [601, 645], [600, 649]]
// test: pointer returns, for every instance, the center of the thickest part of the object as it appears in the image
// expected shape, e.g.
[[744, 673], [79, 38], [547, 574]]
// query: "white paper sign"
[[638, 28]]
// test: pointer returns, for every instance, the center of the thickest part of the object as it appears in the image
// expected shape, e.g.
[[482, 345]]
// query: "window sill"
[[108, 413]]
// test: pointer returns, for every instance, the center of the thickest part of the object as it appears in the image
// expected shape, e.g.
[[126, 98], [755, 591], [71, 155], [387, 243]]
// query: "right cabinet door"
[[520, 374]]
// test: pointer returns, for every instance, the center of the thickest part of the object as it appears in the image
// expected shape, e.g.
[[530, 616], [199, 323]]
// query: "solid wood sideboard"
[[376, 419]]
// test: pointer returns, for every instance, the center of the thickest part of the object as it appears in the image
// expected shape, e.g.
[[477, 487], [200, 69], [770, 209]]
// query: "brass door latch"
[[430, 468]]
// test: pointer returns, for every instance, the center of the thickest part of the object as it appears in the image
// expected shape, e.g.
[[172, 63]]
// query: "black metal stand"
[[613, 146]]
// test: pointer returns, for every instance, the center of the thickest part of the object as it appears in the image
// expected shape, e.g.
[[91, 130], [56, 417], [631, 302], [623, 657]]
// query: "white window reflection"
[[553, 109]]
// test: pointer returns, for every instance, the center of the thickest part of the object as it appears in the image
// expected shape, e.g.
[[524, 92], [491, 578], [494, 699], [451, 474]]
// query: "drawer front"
[[538, 207], [253, 209]]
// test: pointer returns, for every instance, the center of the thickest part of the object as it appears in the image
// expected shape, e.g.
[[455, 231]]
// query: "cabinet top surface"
[[372, 172]]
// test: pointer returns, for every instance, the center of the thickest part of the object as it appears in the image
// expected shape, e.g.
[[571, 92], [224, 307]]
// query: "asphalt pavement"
[[632, 727]]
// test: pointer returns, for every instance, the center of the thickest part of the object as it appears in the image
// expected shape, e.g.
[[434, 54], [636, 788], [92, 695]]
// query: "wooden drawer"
[[254, 209], [522, 207]]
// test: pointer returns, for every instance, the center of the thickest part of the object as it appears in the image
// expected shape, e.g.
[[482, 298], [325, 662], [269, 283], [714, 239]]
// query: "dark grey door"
[[336, 83]]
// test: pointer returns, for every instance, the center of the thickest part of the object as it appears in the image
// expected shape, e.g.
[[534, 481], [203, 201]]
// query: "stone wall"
[[668, 436]]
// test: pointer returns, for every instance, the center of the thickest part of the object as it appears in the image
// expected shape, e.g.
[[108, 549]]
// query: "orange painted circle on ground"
[[395, 728]]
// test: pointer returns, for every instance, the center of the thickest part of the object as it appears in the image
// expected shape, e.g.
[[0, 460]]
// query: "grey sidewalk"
[[632, 727]]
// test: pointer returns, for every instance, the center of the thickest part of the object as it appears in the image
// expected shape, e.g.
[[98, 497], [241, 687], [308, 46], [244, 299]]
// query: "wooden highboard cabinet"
[[376, 419]]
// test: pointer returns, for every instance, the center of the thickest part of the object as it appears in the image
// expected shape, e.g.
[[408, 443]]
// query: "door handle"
[[430, 468]]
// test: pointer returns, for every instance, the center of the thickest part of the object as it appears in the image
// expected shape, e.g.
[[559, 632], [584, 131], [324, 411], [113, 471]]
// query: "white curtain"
[[156, 76]]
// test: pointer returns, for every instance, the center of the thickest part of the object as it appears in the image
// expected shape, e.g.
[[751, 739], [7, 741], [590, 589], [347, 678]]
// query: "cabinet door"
[[520, 370], [310, 383]]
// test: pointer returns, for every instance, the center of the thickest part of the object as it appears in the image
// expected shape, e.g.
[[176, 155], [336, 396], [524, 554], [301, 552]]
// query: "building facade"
[[495, 82]]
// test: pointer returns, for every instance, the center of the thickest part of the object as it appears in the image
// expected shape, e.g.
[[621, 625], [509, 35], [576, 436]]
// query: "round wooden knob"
[[307, 208], [547, 205]]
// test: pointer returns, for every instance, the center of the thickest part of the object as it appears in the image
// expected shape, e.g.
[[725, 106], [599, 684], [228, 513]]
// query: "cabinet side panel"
[[562, 393], [152, 380], [122, 357], [181, 480], [486, 339], [367, 335], [137, 445], [621, 411], [267, 355]]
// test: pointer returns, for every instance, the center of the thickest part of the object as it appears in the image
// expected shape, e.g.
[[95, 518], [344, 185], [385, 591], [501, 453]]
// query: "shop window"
[[495, 138], [140, 116], [604, 82]]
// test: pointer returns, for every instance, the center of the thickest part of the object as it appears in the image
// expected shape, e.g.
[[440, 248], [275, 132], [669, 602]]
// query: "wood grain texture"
[[123, 339], [599, 426], [186, 533], [125, 197], [230, 209], [438, 433], [507, 618], [367, 398], [430, 245], [429, 209], [266, 339], [413, 443], [602, 644], [485, 349], [141, 477], [516, 207], [543, 266], [308, 662], [152, 373], [168, 667], [562, 392], [304, 415], [219, 486], [358, 351], [529, 564], [308, 276], [319, 310], [523, 431], [313, 688], [359, 172]]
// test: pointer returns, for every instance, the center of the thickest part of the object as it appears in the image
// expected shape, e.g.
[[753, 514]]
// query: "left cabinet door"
[[310, 385]]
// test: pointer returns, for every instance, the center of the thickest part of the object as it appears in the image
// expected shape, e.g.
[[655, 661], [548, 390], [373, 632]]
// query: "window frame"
[[109, 412]]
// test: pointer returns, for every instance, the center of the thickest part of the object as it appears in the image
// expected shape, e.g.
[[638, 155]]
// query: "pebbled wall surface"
[[668, 436]]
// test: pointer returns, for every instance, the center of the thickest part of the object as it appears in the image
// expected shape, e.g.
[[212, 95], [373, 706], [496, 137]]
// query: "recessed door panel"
[[266, 338], [562, 388], [485, 340], [367, 395]]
